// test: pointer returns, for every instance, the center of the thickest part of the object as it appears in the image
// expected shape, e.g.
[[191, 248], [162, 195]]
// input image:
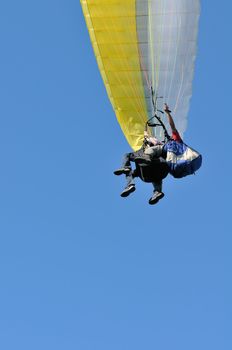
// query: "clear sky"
[[80, 267]]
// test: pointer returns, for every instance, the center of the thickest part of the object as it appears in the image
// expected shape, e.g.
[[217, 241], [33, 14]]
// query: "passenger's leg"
[[157, 194], [126, 165], [154, 151], [130, 187], [158, 186]]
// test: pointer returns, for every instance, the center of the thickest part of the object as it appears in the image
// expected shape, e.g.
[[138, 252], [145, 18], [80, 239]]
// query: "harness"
[[157, 169]]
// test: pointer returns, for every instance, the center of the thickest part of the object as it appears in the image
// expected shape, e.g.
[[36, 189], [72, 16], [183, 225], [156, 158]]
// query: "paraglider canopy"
[[142, 45]]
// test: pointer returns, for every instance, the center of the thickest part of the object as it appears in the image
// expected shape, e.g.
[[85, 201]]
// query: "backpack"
[[182, 160]]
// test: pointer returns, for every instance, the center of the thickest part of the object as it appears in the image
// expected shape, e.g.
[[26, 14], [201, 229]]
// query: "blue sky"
[[80, 267]]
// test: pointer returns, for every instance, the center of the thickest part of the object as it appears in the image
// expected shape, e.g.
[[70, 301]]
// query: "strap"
[[154, 98]]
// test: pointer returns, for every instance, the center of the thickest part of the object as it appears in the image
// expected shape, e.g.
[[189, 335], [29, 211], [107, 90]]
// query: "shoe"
[[156, 197], [128, 190], [121, 171]]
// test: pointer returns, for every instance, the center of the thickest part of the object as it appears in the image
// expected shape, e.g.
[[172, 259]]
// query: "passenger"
[[150, 153]]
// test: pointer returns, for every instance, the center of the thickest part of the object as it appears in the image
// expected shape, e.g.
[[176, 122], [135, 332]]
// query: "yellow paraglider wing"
[[113, 33]]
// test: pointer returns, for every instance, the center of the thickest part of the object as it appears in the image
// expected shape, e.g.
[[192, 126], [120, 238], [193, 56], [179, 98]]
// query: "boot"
[[128, 190], [156, 197], [121, 171]]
